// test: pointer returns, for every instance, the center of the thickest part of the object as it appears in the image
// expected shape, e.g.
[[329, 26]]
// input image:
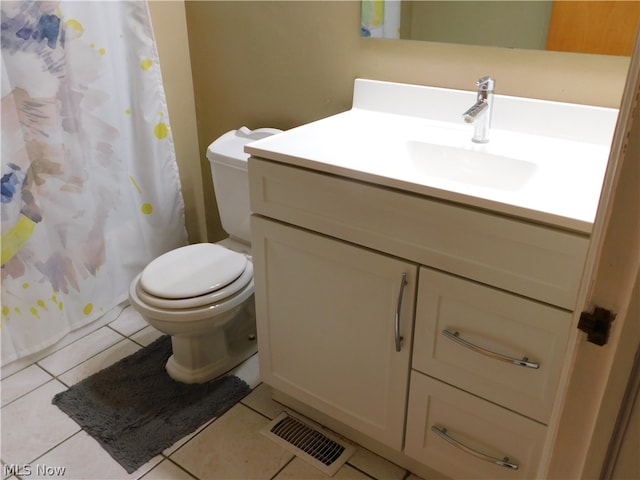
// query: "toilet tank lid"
[[229, 148]]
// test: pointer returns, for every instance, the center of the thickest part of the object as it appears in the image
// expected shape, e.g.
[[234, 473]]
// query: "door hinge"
[[596, 325]]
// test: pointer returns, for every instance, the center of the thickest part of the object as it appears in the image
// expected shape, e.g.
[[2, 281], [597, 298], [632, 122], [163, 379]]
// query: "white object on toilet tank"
[[230, 178]]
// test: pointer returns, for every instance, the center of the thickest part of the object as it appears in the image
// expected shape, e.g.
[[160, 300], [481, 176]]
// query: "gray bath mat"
[[135, 410]]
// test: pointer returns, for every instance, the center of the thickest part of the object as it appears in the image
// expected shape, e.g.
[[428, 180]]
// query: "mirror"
[[603, 27]]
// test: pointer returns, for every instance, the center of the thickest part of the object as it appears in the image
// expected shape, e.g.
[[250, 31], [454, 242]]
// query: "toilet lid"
[[229, 295], [192, 271]]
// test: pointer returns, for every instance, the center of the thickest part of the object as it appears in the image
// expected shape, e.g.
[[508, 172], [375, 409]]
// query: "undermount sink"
[[470, 167]]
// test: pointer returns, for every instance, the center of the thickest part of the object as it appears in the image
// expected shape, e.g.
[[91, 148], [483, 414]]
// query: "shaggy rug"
[[135, 410]]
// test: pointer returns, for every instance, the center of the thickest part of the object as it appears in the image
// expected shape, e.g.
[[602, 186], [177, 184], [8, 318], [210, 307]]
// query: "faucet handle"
[[486, 84]]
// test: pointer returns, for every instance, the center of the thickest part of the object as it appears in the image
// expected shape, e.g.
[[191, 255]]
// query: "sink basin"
[[470, 167], [545, 160]]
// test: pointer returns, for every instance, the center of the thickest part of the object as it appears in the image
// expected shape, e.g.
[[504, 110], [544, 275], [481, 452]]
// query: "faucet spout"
[[470, 115], [480, 113]]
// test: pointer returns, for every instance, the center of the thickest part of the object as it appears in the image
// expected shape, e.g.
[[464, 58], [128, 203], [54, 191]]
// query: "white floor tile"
[[260, 400], [146, 336], [168, 451], [298, 469], [249, 371], [129, 322], [376, 466], [22, 382], [82, 457], [232, 448], [32, 425], [102, 360], [79, 351], [167, 470]]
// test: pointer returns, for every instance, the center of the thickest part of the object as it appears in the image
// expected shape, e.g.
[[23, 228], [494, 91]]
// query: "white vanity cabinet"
[[329, 255], [335, 326]]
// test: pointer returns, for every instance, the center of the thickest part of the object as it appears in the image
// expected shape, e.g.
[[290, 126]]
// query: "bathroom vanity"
[[415, 291]]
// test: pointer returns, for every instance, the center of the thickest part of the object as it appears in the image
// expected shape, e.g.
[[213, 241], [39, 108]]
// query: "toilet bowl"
[[202, 294]]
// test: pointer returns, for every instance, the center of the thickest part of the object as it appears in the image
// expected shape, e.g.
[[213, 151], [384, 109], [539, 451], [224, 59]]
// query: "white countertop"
[[372, 146]]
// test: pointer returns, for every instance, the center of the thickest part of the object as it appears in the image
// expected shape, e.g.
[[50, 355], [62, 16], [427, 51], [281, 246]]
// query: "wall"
[[170, 29], [282, 64]]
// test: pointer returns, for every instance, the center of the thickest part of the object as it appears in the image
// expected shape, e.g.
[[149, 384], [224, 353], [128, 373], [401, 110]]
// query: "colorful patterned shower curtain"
[[90, 185]]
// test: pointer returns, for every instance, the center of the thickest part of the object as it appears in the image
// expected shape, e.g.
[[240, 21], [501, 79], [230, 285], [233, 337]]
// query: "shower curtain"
[[90, 186], [380, 18]]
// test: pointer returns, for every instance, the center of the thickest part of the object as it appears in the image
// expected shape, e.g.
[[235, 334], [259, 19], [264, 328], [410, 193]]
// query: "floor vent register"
[[309, 442]]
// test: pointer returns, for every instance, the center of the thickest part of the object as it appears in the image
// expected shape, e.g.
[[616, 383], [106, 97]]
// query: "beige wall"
[[170, 29], [281, 64]]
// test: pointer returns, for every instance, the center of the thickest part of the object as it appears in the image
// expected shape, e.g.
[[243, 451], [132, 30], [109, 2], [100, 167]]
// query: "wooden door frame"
[[596, 377], [630, 401]]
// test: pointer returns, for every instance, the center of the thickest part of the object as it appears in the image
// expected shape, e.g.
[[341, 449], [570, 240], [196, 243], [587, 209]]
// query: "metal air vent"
[[319, 448]]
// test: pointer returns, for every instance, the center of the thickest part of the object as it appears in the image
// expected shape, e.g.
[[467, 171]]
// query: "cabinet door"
[[326, 313]]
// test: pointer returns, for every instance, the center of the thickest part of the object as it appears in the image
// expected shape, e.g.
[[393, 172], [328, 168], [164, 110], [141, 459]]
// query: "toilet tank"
[[231, 180]]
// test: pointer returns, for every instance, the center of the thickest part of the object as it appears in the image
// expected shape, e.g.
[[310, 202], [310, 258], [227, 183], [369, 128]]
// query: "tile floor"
[[45, 443]]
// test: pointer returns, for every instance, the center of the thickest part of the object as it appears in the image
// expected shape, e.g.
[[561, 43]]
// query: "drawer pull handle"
[[504, 462], [398, 337], [523, 362]]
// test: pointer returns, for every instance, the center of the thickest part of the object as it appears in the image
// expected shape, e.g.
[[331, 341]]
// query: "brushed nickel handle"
[[398, 337], [502, 462], [523, 362]]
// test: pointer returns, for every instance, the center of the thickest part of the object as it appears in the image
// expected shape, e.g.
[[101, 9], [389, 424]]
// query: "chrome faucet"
[[480, 113]]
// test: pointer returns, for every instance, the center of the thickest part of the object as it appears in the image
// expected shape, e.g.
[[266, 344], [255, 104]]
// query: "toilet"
[[202, 294]]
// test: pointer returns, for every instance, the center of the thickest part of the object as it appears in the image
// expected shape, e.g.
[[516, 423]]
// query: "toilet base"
[[203, 357], [207, 372]]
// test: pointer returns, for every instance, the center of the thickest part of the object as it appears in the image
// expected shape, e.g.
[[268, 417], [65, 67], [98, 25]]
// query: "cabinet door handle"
[[522, 362], [398, 337], [504, 462]]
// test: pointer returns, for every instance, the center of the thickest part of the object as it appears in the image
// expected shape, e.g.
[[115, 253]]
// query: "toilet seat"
[[193, 276]]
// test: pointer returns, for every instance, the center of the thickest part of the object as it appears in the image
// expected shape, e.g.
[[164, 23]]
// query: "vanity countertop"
[[373, 143]]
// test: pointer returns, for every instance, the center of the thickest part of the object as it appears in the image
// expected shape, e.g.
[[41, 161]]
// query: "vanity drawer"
[[485, 321], [532, 260], [477, 424]]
